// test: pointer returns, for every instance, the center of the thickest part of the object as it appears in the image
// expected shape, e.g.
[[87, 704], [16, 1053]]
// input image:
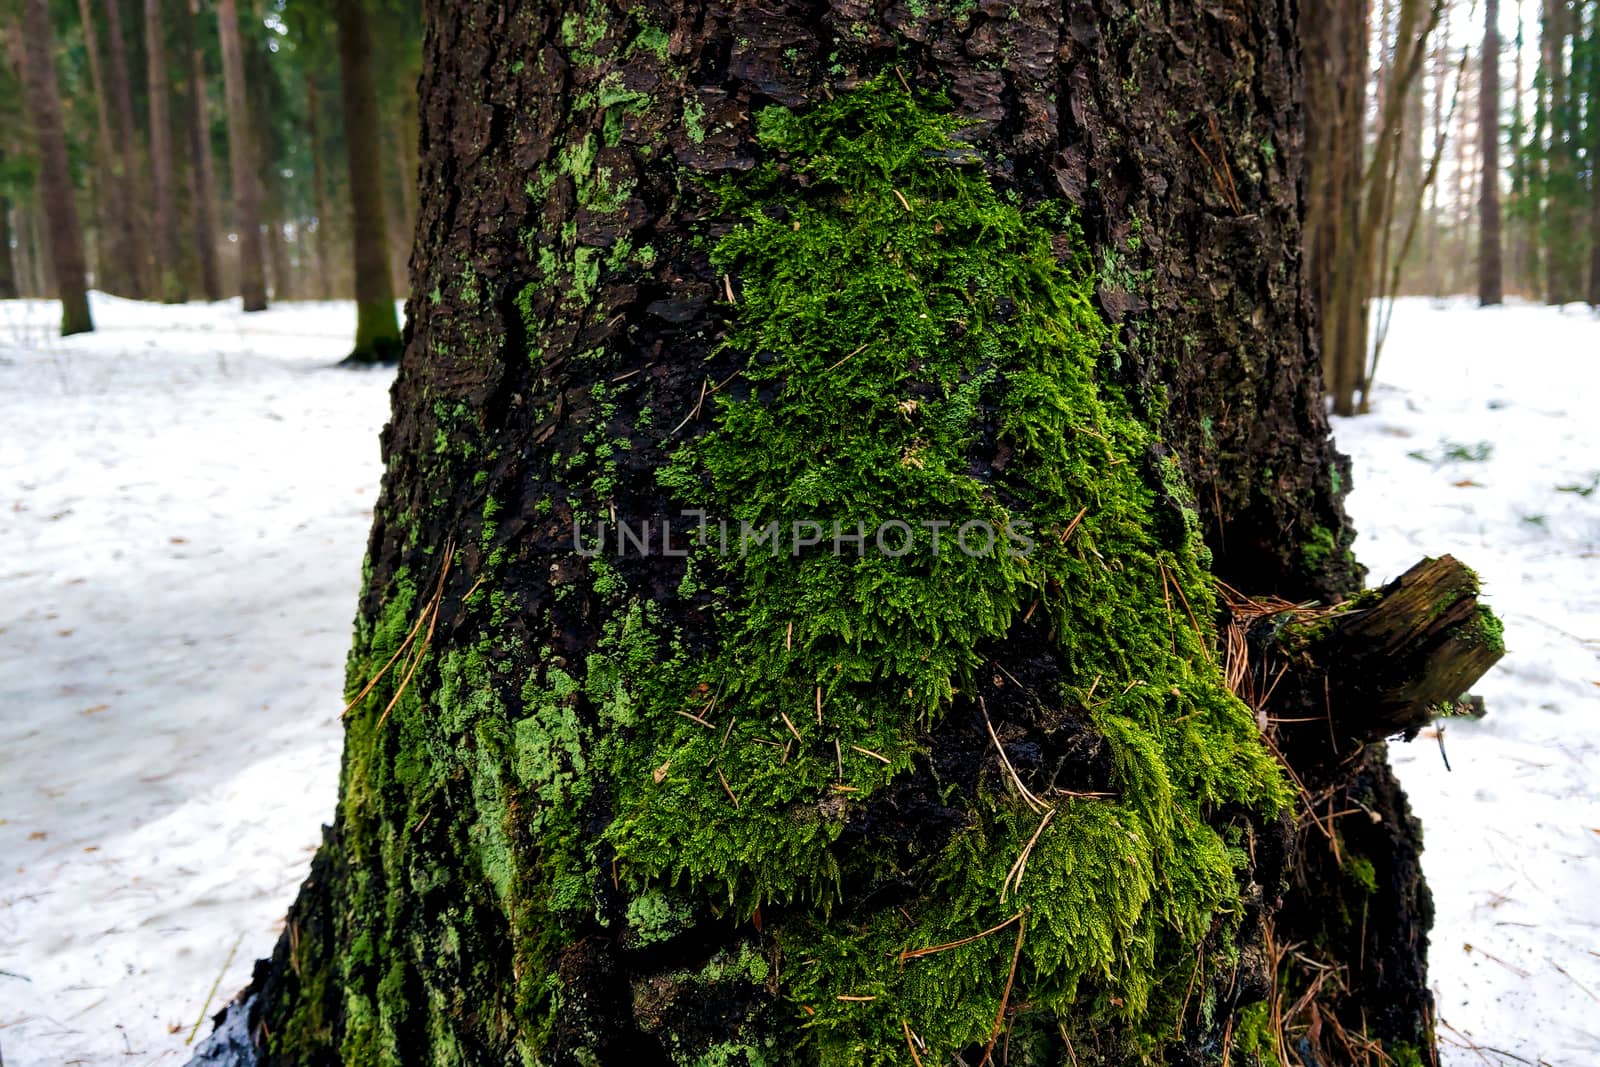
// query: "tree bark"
[[377, 328], [629, 808], [43, 95], [242, 157], [203, 168], [1491, 256], [169, 240]]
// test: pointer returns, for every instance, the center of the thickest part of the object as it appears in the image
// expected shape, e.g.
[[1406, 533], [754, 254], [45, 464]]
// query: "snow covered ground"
[[185, 496], [1484, 442], [184, 502]]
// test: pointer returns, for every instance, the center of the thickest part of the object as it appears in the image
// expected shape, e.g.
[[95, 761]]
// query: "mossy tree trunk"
[[957, 266], [377, 328]]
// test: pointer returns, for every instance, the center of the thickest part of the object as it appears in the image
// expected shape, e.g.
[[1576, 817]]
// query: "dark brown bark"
[[203, 168], [1491, 256], [1559, 236], [43, 95], [130, 150], [1172, 128], [377, 328], [242, 156], [164, 182]]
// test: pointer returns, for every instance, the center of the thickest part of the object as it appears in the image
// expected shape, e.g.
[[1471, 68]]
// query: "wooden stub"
[[1408, 652]]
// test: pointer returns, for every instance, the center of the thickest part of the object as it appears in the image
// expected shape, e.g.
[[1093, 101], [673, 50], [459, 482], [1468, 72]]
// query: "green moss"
[[1253, 1039], [1359, 870], [902, 309]]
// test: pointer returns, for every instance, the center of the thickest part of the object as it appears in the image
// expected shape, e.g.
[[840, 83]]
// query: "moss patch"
[[921, 350]]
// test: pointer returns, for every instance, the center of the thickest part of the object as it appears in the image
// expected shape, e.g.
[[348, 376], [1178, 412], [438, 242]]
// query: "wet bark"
[[203, 168], [242, 157], [1491, 254], [377, 329], [168, 237], [43, 97], [556, 143]]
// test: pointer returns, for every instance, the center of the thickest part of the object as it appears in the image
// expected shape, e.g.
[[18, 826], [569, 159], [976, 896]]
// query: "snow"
[[1512, 832], [186, 495]]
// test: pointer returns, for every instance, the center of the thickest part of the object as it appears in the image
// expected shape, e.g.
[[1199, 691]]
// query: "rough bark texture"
[[168, 237], [43, 96], [242, 156], [203, 168], [377, 329], [473, 902], [1491, 256]]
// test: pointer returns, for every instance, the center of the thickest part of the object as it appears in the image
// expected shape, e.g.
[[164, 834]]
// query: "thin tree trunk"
[[809, 808], [168, 238], [319, 187], [130, 148], [377, 328], [43, 96], [203, 170], [242, 156], [1491, 263], [8, 267], [120, 266]]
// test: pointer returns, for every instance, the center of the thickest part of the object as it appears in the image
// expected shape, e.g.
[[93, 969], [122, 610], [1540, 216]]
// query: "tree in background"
[[55, 177], [1351, 199], [776, 265], [242, 154], [202, 169], [1491, 262], [168, 238], [377, 328]]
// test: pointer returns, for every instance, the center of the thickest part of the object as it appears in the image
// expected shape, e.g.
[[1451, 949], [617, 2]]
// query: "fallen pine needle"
[[1005, 996], [918, 953], [910, 1044], [874, 755], [727, 788], [855, 1000], [214, 985]]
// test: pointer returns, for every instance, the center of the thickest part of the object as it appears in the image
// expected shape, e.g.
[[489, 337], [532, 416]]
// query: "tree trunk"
[[377, 328], [130, 150], [120, 236], [43, 96], [242, 156], [8, 266], [319, 186], [881, 804], [1491, 261], [203, 168], [168, 239]]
